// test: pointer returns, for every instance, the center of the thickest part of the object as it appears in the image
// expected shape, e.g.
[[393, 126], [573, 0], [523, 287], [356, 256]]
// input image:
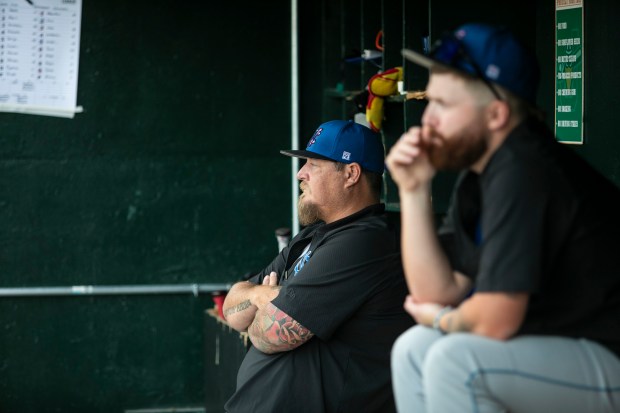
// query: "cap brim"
[[419, 58], [427, 62], [304, 154]]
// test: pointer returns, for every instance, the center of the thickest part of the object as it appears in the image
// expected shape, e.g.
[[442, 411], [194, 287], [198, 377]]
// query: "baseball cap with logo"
[[491, 53], [346, 142]]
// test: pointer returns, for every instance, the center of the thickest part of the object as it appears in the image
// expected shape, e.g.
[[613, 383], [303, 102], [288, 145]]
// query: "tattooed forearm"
[[275, 331], [455, 322], [239, 307]]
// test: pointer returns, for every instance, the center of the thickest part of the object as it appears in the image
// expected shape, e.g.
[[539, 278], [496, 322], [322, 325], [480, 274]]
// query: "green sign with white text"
[[569, 71]]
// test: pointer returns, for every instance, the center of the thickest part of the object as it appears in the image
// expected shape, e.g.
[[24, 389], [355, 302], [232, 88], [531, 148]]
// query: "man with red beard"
[[322, 317], [517, 297]]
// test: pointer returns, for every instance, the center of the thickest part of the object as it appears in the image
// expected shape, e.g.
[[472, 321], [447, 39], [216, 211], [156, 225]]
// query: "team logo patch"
[[492, 71], [346, 155], [317, 133], [302, 261]]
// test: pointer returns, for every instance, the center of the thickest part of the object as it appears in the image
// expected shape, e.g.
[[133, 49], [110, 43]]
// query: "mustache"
[[303, 186], [453, 154], [431, 138]]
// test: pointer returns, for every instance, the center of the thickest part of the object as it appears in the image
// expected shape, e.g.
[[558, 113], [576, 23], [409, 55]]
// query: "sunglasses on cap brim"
[[450, 51]]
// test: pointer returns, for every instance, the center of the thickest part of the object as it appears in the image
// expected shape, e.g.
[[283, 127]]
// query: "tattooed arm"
[[248, 307], [274, 331], [245, 298]]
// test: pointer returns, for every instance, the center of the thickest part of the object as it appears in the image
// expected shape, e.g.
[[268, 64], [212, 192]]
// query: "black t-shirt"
[[348, 290], [549, 226]]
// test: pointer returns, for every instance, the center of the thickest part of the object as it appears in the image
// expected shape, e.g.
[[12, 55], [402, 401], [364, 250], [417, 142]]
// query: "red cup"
[[218, 299]]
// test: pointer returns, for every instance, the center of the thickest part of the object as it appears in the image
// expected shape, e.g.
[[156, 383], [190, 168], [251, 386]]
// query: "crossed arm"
[[248, 308]]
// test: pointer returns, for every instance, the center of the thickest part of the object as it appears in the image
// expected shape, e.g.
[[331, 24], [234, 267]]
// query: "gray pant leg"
[[407, 358], [529, 374]]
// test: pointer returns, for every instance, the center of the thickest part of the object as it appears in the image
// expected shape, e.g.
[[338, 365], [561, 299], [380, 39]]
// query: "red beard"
[[455, 154]]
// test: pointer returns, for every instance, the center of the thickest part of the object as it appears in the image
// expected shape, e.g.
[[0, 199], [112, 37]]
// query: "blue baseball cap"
[[491, 53], [346, 142]]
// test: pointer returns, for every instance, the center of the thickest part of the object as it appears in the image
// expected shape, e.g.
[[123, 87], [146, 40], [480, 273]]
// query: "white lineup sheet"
[[39, 56]]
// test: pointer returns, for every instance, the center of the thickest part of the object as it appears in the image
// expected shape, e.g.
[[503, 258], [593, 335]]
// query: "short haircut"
[[374, 179]]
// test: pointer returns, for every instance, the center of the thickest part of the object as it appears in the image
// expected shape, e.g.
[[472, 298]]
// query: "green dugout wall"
[[172, 176]]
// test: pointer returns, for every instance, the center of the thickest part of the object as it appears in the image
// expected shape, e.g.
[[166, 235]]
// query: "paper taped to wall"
[[39, 56]]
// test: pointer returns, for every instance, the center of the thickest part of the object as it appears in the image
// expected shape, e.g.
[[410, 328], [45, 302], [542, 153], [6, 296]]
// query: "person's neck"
[[349, 208], [496, 140]]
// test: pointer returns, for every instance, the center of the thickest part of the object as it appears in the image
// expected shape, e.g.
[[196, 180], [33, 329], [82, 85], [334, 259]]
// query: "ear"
[[353, 173], [498, 115]]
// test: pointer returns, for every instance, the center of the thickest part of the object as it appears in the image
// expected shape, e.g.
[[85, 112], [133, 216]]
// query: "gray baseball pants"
[[464, 372]]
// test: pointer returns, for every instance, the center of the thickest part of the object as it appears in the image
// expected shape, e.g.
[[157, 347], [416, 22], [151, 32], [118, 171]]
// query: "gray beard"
[[308, 213]]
